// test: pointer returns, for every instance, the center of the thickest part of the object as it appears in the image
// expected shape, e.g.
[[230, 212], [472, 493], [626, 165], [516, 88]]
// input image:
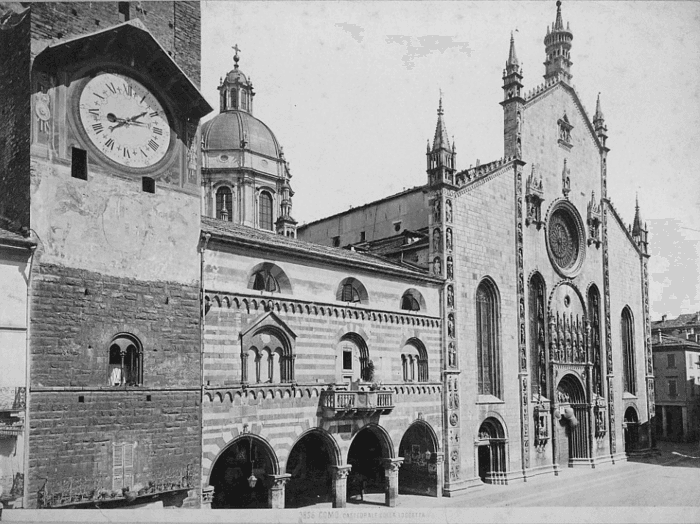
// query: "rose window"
[[563, 239]]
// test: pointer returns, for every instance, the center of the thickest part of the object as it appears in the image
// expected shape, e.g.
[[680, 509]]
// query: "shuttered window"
[[123, 465]]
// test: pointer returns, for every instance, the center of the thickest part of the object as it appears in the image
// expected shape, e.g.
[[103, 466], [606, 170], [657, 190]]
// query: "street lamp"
[[252, 480]]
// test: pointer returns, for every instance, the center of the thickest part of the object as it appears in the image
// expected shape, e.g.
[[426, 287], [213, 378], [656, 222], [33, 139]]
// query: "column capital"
[[392, 464], [341, 472], [277, 481]]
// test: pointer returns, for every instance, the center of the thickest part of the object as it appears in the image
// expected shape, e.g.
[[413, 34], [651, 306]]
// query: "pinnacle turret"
[[512, 57], [441, 139], [639, 231], [557, 48], [601, 129]]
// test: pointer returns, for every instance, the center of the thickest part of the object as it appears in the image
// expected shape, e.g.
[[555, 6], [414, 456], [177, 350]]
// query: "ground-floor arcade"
[[322, 467]]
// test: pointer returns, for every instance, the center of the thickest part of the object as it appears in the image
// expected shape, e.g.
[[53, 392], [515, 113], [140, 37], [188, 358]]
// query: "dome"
[[236, 75], [226, 130]]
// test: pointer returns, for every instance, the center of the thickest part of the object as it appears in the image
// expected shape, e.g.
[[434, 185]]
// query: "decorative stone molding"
[[565, 128], [594, 220], [534, 196]]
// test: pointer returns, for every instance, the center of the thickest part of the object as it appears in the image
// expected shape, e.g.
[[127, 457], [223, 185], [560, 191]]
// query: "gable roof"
[[660, 340], [268, 241], [549, 87], [134, 39], [685, 320]]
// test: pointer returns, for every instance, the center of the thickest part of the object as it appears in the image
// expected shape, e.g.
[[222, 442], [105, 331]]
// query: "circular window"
[[565, 238]]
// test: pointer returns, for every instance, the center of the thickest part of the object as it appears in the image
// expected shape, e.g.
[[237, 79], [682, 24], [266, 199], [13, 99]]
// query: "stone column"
[[275, 494], [664, 428], [207, 496], [391, 475], [340, 485], [440, 471]]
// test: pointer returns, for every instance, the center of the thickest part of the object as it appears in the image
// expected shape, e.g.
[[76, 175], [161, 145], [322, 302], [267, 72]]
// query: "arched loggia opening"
[[491, 451], [239, 475], [367, 452], [572, 431], [418, 473], [631, 427], [309, 465]]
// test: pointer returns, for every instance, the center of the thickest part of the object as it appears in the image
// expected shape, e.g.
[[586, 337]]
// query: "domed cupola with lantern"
[[245, 176]]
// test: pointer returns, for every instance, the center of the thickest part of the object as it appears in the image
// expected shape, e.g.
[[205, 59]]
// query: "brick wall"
[[72, 440], [75, 314], [175, 25], [15, 117]]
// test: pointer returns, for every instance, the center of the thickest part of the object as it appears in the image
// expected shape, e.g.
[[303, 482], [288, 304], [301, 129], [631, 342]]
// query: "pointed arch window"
[[488, 351], [630, 376], [224, 204], [538, 348], [265, 211]]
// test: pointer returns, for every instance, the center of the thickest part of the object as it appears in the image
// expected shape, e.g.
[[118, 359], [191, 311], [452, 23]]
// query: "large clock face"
[[124, 120]]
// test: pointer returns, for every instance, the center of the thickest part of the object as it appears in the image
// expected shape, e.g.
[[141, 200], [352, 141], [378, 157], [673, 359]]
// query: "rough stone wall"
[[72, 440], [15, 117], [75, 314], [176, 25], [484, 229]]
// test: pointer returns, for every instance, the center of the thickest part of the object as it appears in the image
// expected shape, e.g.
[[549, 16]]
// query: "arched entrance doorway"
[[309, 465], [491, 452], [239, 475], [368, 449], [631, 429], [572, 430], [418, 473]]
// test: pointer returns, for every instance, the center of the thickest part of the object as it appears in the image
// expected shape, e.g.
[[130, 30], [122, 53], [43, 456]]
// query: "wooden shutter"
[[117, 466], [128, 465]]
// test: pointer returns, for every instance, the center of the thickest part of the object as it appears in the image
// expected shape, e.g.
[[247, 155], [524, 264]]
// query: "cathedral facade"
[[546, 319], [187, 344]]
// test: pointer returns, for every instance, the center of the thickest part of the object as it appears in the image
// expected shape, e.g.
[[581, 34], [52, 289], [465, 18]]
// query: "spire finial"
[[441, 139], [235, 57], [512, 57], [440, 112], [559, 24], [637, 225]]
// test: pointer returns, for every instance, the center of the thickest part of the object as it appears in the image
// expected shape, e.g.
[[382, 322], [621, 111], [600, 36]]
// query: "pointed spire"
[[637, 226], [558, 24], [441, 139], [598, 112], [512, 57]]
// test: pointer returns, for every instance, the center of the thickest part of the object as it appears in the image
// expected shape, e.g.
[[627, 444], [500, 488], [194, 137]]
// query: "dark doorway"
[[365, 457], [239, 475], [418, 473], [309, 466], [573, 422], [492, 452], [631, 430]]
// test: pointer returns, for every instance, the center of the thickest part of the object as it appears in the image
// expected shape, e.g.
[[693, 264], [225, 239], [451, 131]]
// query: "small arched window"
[[414, 361], [224, 204], [265, 211], [125, 361], [412, 300], [351, 290], [487, 338], [630, 376], [264, 281]]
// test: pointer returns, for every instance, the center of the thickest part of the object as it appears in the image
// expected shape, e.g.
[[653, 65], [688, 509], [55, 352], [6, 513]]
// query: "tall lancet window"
[[487, 339], [265, 211], [224, 204], [630, 375]]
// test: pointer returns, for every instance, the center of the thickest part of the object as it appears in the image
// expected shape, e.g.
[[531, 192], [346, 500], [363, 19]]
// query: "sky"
[[351, 89]]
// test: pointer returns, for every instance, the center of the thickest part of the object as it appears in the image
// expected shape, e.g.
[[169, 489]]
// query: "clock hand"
[[133, 119], [113, 118]]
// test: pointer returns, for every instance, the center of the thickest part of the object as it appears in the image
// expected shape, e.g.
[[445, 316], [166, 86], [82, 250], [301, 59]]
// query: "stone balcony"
[[345, 403]]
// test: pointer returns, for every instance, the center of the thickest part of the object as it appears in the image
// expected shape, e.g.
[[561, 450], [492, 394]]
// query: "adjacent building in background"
[[15, 266], [677, 372]]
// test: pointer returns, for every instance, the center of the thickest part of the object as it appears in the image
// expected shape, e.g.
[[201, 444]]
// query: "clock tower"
[[102, 110]]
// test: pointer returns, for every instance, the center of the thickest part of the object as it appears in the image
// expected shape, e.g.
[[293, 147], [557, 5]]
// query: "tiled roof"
[[268, 240], [13, 239], [669, 340], [686, 320]]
